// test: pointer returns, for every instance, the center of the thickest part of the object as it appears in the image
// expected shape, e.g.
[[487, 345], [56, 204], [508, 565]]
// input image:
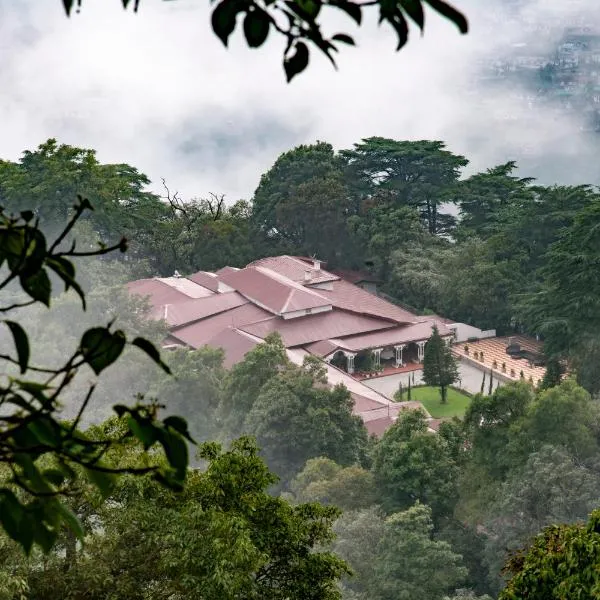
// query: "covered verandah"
[[381, 353], [372, 361]]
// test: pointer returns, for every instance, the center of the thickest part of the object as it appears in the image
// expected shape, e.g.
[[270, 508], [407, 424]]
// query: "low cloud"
[[158, 90]]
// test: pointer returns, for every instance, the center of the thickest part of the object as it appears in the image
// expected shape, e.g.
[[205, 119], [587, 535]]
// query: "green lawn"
[[430, 397]]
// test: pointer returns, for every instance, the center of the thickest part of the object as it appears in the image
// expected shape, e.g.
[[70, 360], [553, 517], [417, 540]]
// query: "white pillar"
[[377, 357], [398, 350], [350, 361], [421, 351]]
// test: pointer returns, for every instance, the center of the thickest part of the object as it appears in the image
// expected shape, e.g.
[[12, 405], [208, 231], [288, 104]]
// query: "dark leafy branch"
[[298, 21], [32, 435]]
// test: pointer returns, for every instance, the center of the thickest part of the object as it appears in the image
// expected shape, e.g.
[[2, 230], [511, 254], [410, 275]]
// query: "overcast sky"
[[159, 91]]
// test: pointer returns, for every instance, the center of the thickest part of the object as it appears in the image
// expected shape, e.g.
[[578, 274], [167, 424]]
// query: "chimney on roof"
[[316, 264], [307, 275], [177, 273]]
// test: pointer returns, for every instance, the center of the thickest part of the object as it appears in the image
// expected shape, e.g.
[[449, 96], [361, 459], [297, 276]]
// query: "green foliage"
[[465, 540], [412, 465], [303, 198], [299, 23], [408, 535], [32, 511], [323, 480], [414, 174], [553, 374], [565, 309], [567, 404], [562, 562], [488, 421], [455, 406], [397, 556], [246, 380], [552, 487], [195, 390], [295, 417], [224, 536], [439, 365]]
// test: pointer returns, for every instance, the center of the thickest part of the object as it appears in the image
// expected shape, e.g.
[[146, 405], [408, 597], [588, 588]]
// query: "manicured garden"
[[430, 398]]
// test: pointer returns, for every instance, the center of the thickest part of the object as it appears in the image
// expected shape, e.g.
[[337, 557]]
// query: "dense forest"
[[493, 249], [291, 494]]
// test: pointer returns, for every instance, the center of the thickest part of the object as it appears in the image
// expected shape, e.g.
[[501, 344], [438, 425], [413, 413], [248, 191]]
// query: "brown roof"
[[378, 427], [187, 286], [159, 293], [295, 267], [235, 343], [353, 298], [273, 292], [313, 328], [322, 348], [184, 313], [208, 280], [363, 404], [223, 270], [201, 332], [389, 337]]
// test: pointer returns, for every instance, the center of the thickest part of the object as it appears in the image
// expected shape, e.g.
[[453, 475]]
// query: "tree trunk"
[[444, 393]]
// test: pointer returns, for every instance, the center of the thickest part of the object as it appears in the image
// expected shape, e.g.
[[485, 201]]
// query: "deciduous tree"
[[562, 562], [296, 417], [410, 464]]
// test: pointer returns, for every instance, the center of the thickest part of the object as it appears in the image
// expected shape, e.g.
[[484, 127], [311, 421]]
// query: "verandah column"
[[398, 349], [420, 351], [350, 361], [377, 357]]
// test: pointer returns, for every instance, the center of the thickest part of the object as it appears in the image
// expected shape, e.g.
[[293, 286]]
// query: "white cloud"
[[158, 90]]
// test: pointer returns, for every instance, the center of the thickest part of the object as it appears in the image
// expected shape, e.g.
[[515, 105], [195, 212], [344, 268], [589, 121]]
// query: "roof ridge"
[[287, 300]]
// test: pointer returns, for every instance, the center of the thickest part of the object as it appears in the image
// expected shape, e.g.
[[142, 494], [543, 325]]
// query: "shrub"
[[504, 367], [466, 349], [512, 372]]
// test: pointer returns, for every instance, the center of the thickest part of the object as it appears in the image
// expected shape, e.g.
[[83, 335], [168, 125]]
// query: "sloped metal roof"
[[389, 337], [205, 279], [353, 298], [158, 292], [187, 312], [272, 291], [234, 343], [313, 328], [295, 268], [198, 334]]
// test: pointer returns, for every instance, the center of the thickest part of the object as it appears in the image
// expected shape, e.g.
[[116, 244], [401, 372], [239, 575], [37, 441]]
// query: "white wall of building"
[[464, 332]]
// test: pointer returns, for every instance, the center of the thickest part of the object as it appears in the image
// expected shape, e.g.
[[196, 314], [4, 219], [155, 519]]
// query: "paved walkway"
[[470, 380]]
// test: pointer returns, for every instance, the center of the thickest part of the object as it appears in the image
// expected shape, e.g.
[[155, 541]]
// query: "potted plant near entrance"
[[467, 349]]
